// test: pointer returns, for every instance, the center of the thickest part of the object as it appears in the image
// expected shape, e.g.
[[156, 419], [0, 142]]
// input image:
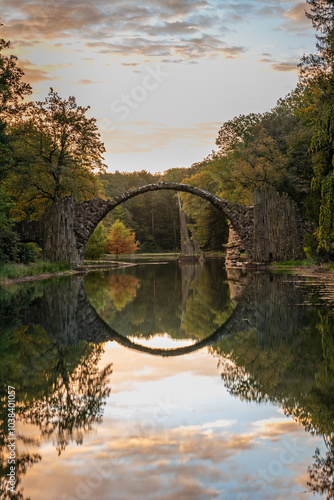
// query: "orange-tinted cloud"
[[281, 65], [148, 135], [296, 20], [34, 73], [188, 29], [169, 464], [85, 81]]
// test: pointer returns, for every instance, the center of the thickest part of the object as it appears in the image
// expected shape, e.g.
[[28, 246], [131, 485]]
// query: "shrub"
[[9, 246]]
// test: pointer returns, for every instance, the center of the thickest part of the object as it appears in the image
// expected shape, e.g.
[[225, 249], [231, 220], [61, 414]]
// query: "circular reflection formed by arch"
[[67, 315], [104, 333]]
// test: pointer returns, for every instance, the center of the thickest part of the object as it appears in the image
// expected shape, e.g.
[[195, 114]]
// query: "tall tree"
[[12, 93], [317, 71], [57, 152]]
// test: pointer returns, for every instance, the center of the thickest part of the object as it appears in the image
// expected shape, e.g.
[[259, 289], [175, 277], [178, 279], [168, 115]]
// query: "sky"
[[160, 76]]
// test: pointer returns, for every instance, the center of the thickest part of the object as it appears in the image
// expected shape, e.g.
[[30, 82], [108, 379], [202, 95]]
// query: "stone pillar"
[[59, 240], [234, 248], [237, 282], [190, 250], [278, 227]]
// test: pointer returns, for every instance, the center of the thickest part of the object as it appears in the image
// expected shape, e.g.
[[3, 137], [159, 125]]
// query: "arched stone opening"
[[88, 214]]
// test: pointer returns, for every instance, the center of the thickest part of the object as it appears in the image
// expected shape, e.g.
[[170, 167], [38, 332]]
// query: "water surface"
[[162, 381]]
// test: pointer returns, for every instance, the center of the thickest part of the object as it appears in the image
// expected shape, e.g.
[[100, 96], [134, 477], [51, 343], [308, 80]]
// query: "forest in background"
[[50, 149]]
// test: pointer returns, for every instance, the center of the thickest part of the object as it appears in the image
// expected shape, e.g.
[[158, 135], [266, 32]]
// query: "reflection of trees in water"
[[291, 366], [119, 290], [167, 292], [74, 401], [321, 473], [204, 308], [59, 386], [23, 462], [122, 289], [281, 352], [294, 375]]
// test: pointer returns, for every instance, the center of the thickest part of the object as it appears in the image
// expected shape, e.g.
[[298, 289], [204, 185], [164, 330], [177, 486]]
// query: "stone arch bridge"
[[270, 229]]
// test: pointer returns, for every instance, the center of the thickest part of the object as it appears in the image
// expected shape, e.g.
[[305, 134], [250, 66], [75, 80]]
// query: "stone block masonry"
[[278, 227]]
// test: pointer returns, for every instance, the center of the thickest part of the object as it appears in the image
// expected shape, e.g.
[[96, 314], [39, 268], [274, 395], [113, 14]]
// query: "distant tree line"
[[50, 149]]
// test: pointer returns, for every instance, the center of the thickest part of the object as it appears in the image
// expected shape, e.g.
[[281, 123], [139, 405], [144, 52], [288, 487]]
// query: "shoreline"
[[311, 270], [84, 269]]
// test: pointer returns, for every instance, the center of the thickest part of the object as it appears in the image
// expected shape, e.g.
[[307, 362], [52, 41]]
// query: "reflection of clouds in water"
[[185, 462], [163, 341]]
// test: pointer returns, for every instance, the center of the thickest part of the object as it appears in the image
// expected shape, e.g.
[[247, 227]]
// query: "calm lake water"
[[170, 382]]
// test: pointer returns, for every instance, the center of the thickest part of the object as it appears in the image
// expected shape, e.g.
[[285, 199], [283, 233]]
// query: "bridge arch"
[[89, 213]]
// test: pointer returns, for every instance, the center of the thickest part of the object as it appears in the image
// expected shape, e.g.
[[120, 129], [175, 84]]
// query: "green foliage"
[[28, 252], [269, 148], [96, 245], [293, 263], [210, 225], [9, 246], [12, 89], [311, 244], [57, 151], [326, 217], [317, 74], [15, 270], [5, 206]]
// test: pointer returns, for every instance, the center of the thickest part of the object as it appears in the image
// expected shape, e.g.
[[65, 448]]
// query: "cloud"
[[296, 20], [130, 64], [140, 137], [34, 74], [189, 29], [84, 81], [186, 30], [282, 66], [285, 66]]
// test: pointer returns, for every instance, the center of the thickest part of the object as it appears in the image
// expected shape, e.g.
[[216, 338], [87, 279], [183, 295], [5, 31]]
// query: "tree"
[[57, 151], [12, 89], [236, 131], [317, 71], [12, 92], [121, 240], [96, 245]]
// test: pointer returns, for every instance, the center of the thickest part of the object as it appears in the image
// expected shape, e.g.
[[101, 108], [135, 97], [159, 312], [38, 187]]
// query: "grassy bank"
[[16, 271], [290, 264]]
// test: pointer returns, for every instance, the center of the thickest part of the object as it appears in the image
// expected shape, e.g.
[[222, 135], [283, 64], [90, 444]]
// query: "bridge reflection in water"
[[262, 302]]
